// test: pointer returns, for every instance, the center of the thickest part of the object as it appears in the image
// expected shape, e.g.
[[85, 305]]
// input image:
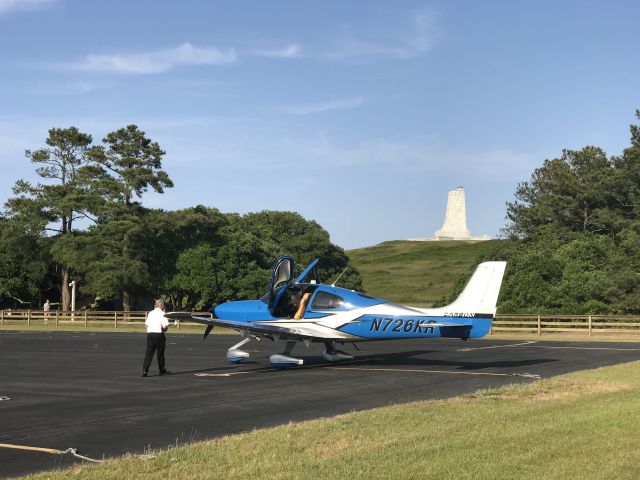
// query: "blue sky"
[[360, 115]]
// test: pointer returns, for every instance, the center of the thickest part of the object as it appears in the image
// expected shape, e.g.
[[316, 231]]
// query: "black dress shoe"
[[165, 372], [144, 374]]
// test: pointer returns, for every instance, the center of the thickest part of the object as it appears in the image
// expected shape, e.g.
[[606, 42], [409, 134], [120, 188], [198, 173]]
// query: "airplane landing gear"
[[284, 360], [332, 354], [235, 355]]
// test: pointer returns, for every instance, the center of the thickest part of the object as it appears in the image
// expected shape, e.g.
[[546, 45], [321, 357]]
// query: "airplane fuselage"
[[358, 318]]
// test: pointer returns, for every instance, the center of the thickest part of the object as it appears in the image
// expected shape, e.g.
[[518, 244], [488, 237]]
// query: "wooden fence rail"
[[587, 324], [75, 319], [504, 322]]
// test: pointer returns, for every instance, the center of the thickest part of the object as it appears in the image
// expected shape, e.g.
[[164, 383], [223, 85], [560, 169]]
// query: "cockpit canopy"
[[285, 294], [282, 273]]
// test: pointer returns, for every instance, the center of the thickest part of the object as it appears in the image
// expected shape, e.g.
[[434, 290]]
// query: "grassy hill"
[[415, 273]]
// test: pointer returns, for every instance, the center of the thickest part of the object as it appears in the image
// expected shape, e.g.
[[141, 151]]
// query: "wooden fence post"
[[57, 317], [589, 325], [29, 318], [85, 318], [115, 319], [1, 317], [539, 325]]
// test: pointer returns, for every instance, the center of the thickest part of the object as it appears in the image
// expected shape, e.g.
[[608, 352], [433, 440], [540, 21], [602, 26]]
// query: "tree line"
[[85, 221]]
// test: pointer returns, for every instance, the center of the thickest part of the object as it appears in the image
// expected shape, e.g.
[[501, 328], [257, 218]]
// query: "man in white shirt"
[[156, 324]]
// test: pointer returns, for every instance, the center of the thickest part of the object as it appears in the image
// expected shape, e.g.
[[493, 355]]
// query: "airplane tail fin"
[[480, 295]]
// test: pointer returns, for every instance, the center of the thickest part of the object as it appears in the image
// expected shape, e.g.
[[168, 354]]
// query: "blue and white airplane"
[[303, 310]]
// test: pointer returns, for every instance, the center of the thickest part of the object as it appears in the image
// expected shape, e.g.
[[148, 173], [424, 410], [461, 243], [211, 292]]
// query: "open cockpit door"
[[309, 274], [281, 276]]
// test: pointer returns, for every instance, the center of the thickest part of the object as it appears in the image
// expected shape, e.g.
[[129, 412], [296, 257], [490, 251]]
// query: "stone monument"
[[455, 218], [455, 221]]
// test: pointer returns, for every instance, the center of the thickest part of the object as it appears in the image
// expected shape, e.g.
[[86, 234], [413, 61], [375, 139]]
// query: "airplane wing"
[[250, 327], [294, 331]]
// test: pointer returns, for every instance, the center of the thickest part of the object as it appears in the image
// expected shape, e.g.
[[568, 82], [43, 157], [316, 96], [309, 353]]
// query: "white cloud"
[[339, 104], [8, 6], [73, 88], [352, 48], [290, 51], [160, 61], [407, 42], [194, 144], [426, 31], [413, 154], [157, 61]]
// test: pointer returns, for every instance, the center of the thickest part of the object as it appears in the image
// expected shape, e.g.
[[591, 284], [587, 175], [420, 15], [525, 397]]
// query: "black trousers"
[[155, 342]]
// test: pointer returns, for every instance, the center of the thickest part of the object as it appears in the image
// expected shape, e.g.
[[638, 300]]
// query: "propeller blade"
[[207, 331]]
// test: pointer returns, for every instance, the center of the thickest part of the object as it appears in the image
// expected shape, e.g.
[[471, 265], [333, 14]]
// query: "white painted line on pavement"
[[495, 346], [589, 348]]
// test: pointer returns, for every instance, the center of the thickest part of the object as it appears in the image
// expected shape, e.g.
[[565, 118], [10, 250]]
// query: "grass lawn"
[[582, 425], [415, 273]]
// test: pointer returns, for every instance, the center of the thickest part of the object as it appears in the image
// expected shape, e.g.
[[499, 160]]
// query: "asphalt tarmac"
[[85, 390]]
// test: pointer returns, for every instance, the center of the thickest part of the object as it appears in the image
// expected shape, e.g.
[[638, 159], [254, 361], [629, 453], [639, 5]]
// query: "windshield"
[[325, 300], [310, 274]]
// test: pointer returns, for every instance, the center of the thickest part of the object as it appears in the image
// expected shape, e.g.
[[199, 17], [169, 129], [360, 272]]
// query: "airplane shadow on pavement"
[[411, 359]]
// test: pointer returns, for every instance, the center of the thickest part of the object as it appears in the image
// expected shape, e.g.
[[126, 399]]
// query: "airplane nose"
[[218, 311], [231, 310]]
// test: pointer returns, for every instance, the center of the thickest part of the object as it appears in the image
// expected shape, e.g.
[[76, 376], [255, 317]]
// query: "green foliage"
[[237, 265], [288, 233], [65, 197], [576, 192], [24, 265], [66, 167], [125, 252], [213, 261], [581, 274], [131, 164], [195, 257]]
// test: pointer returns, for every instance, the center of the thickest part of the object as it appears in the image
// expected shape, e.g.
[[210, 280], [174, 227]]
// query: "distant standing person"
[[156, 324], [46, 307]]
